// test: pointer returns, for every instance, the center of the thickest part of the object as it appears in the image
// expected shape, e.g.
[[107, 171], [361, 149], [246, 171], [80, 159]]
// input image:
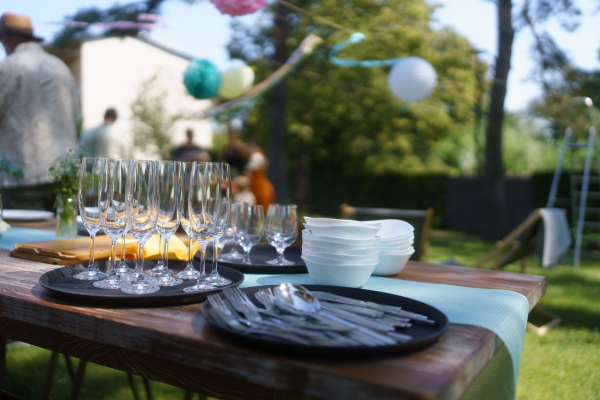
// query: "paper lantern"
[[202, 79], [412, 79], [235, 8], [235, 82]]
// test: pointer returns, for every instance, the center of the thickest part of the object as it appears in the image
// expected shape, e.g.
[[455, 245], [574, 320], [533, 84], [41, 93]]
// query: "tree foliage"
[[346, 118]]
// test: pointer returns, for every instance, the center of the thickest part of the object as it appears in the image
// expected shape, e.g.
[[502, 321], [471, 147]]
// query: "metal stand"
[[580, 193]]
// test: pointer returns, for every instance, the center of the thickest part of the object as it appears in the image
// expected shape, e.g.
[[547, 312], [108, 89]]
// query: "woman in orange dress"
[[256, 170]]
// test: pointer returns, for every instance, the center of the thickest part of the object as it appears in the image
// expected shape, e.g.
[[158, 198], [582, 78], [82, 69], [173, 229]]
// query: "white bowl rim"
[[332, 251], [359, 227], [324, 238], [397, 253], [366, 257], [341, 265], [345, 222]]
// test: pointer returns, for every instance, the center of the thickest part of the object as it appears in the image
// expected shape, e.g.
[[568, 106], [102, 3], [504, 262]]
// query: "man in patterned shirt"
[[39, 110]]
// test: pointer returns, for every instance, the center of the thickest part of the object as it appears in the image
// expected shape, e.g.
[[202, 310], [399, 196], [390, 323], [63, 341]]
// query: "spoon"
[[296, 297]]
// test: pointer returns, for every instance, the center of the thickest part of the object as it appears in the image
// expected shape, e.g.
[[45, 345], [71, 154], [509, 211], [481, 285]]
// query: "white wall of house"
[[112, 72]]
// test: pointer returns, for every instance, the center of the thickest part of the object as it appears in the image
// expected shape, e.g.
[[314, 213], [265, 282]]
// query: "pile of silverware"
[[294, 314]]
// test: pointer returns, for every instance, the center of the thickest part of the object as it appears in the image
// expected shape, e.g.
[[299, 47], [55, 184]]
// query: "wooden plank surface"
[[175, 345]]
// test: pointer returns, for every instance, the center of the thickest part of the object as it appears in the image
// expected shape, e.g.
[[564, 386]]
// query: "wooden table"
[[175, 345]]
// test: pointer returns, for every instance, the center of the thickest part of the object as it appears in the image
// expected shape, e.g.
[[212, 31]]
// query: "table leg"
[[148, 386], [49, 375], [134, 388], [2, 362], [77, 382]]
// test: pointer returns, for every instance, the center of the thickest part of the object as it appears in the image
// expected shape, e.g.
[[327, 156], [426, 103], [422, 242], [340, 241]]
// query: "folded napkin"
[[177, 249]]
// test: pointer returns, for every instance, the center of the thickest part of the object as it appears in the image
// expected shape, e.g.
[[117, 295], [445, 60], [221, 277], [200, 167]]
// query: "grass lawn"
[[563, 364]]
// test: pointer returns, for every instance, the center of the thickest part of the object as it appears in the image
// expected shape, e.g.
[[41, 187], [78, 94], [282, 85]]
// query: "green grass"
[[563, 364]]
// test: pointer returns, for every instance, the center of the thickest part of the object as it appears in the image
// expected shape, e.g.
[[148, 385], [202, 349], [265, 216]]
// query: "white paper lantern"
[[412, 79], [235, 82]]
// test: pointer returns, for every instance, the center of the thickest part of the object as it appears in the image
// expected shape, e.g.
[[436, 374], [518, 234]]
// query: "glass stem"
[[280, 255], [215, 272], [139, 256], [203, 272], [190, 249], [166, 255], [93, 235], [113, 260], [123, 246], [140, 277], [247, 257], [160, 248]]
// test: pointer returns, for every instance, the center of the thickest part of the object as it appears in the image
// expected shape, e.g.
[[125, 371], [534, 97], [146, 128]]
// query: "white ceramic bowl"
[[391, 264], [410, 236], [347, 231], [359, 251], [306, 237], [338, 275], [400, 250], [391, 228], [338, 222], [398, 243], [338, 259]]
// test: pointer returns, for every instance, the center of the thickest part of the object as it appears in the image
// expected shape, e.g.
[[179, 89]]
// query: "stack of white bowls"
[[340, 252], [397, 238]]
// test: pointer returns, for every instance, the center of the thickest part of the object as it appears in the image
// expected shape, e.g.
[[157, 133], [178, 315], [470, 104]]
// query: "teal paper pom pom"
[[202, 79]]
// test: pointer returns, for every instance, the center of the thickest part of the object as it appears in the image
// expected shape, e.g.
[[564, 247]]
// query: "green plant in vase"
[[65, 173]]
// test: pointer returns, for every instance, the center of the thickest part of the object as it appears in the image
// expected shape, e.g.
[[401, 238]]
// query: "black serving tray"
[[423, 335], [259, 255], [60, 283]]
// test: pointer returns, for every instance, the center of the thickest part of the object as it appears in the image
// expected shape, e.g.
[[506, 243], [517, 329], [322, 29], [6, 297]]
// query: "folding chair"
[[524, 240], [420, 219]]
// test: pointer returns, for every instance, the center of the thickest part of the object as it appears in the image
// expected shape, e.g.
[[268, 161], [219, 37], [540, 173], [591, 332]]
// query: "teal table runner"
[[504, 312], [16, 235]]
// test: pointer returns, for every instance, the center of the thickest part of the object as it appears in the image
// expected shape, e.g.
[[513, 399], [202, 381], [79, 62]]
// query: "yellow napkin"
[[177, 249]]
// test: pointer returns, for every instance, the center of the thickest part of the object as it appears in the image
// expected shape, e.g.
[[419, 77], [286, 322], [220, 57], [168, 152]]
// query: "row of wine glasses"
[[248, 224], [148, 196]]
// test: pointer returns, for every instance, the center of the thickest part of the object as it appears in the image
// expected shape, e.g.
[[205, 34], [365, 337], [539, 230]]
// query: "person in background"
[[189, 152], [241, 189], [235, 153], [256, 170], [39, 111], [106, 140]]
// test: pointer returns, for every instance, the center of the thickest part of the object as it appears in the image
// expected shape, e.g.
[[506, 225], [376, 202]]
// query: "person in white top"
[[39, 111], [106, 140]]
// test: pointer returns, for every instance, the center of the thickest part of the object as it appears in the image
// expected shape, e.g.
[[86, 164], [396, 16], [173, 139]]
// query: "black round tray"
[[60, 283], [259, 255], [423, 335]]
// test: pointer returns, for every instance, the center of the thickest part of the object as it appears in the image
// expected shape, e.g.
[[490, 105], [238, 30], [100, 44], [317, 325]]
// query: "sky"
[[202, 31]]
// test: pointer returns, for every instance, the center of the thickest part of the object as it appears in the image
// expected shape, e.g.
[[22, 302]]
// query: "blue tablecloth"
[[16, 235], [504, 312]]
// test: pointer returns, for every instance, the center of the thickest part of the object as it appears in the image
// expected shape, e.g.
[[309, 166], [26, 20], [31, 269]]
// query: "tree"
[[345, 120], [552, 65]]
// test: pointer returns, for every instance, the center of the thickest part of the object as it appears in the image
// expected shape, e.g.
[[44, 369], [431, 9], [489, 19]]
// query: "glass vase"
[[66, 218]]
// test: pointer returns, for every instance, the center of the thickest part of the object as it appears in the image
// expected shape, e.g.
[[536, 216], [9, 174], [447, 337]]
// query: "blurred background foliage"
[[345, 118]]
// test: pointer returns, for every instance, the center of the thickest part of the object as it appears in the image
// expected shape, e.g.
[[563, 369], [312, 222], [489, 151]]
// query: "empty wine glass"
[[113, 213], [281, 229], [189, 272], [143, 214], [222, 222], [89, 209], [204, 208], [248, 227], [122, 268], [168, 202]]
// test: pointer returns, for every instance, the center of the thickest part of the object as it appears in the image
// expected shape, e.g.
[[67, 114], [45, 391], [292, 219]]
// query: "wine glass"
[[249, 227], [168, 202], [204, 209], [114, 206], [89, 209], [222, 222], [233, 254], [143, 214], [189, 272], [281, 229]]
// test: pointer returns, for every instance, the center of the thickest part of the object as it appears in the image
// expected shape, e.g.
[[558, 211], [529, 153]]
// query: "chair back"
[[419, 219]]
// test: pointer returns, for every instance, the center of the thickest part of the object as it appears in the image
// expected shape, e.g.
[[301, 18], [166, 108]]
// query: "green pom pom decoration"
[[202, 79]]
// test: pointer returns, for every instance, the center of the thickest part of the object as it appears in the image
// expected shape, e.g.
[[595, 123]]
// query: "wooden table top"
[[175, 345]]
